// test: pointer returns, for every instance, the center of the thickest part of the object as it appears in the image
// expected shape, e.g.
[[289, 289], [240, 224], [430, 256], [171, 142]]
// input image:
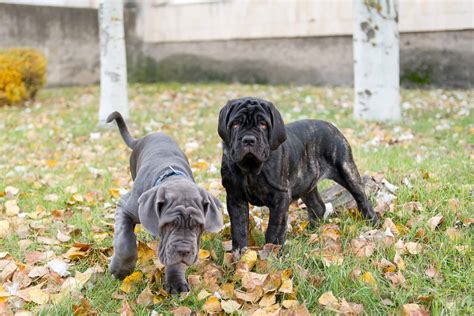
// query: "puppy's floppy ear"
[[278, 132], [224, 115], [150, 206], [212, 213]]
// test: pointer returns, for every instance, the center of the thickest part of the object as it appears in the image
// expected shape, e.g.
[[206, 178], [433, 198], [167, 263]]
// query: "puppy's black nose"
[[184, 252], [249, 140]]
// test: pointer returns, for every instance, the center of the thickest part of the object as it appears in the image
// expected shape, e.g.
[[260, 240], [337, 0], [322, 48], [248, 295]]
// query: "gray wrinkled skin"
[[177, 210], [267, 163]]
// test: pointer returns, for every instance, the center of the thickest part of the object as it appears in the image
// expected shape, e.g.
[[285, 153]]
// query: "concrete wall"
[[69, 38]]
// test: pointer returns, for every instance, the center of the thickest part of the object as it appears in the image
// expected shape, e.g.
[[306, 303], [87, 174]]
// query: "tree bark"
[[113, 64], [376, 60]]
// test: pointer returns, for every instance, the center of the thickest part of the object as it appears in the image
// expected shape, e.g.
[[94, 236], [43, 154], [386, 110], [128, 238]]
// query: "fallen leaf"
[[11, 208], [327, 299], [203, 254], [251, 296], [114, 192], [212, 305], [4, 228], [129, 282], [227, 245], [203, 294], [414, 310], [194, 280], [59, 267], [413, 248], [396, 278], [181, 311], [435, 221], [249, 258], [351, 309], [11, 191], [453, 234], [126, 310], [146, 297], [34, 294], [369, 279], [230, 306], [62, 237], [267, 300], [431, 271]]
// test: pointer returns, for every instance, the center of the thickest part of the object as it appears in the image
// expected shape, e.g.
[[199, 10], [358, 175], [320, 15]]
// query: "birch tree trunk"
[[376, 60], [113, 64]]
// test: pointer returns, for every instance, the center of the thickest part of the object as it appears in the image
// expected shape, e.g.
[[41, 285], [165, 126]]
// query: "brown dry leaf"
[[454, 204], [145, 297], [34, 294], [203, 294], [203, 254], [286, 286], [327, 299], [11, 208], [453, 234], [129, 282], [230, 306], [289, 303], [4, 228], [75, 253], [267, 300], [362, 247], [350, 309], [272, 283], [414, 310], [388, 223], [387, 266], [251, 297], [435, 221], [331, 231], [84, 308], [126, 310], [62, 237], [227, 290], [413, 206], [38, 272], [212, 305], [431, 271], [194, 280], [227, 245], [396, 278], [413, 247], [296, 310], [8, 270], [181, 311], [399, 261]]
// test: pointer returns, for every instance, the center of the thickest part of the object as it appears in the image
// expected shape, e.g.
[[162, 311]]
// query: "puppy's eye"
[[236, 124], [263, 124]]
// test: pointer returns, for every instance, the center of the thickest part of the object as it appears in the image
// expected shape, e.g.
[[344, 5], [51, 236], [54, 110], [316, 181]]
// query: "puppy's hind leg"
[[348, 176], [125, 243], [315, 206]]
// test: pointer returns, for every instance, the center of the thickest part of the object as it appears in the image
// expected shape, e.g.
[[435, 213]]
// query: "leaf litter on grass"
[[58, 201]]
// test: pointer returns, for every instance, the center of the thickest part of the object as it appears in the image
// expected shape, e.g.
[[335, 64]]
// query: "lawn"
[[61, 176]]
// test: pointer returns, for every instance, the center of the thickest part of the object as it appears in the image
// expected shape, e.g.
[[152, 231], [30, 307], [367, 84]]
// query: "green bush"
[[22, 74]]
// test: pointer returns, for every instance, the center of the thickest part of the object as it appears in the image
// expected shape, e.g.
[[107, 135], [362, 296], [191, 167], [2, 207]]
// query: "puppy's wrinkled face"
[[178, 212], [250, 128]]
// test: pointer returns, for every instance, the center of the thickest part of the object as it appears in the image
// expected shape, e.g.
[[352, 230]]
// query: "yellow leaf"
[[203, 294], [212, 305], [114, 192], [145, 253], [35, 295], [203, 254], [129, 282], [51, 163], [413, 248], [249, 258], [286, 286], [368, 278]]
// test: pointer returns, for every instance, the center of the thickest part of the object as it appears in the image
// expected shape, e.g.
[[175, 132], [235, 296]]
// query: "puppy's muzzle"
[[249, 140]]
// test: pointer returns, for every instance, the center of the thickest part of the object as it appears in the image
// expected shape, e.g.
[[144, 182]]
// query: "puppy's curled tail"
[[129, 140]]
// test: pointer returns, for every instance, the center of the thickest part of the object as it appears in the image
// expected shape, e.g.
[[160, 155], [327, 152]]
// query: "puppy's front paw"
[[120, 270], [177, 287]]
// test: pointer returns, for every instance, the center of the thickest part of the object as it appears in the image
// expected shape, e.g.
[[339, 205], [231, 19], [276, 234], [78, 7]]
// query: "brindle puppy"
[[267, 163], [167, 202]]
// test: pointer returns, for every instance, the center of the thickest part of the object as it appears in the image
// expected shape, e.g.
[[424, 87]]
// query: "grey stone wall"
[[69, 38]]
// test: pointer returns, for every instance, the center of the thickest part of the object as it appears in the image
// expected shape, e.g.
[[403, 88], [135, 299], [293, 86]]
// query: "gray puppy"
[[167, 202], [266, 162]]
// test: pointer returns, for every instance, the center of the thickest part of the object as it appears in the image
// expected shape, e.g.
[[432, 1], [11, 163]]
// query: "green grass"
[[437, 161]]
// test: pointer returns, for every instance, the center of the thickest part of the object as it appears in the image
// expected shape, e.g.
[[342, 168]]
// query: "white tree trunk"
[[376, 60], [113, 64]]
